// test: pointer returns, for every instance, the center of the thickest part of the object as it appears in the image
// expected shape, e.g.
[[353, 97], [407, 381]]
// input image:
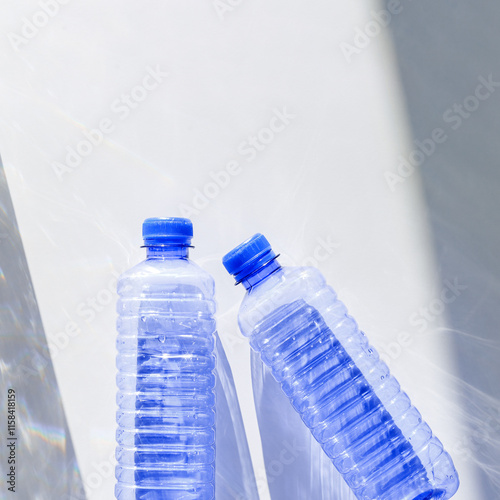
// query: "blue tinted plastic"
[[166, 362], [251, 255], [234, 470], [296, 466], [343, 392], [167, 231]]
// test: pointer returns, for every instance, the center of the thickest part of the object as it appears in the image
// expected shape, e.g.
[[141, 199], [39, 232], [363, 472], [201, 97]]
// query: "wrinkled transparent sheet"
[[296, 466], [41, 446], [234, 471]]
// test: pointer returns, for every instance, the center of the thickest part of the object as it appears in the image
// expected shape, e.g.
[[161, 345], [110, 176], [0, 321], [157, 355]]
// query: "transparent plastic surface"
[[166, 381], [235, 478], [296, 466], [343, 392]]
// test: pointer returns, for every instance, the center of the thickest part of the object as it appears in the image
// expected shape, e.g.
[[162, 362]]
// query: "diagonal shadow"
[[444, 51], [45, 462]]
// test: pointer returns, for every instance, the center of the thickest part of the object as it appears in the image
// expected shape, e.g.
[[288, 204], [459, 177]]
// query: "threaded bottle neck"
[[261, 274], [167, 252], [252, 261]]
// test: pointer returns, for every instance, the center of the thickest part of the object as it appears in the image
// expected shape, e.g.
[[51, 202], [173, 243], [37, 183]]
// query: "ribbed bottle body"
[[166, 400], [343, 392]]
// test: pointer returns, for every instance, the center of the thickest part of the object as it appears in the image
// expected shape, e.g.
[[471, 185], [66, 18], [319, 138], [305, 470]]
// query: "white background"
[[321, 179]]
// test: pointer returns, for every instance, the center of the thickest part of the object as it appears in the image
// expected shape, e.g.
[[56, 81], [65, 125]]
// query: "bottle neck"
[[261, 274], [167, 252]]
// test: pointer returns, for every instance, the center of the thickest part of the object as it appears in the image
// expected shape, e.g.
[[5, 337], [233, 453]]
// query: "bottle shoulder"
[[166, 272], [284, 286], [288, 280]]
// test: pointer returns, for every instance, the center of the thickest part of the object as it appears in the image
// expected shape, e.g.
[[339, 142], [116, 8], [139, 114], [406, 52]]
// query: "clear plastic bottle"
[[343, 392], [166, 363]]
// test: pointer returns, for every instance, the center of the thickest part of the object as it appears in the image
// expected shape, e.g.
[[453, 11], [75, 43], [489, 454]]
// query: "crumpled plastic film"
[[37, 443], [295, 464], [234, 472]]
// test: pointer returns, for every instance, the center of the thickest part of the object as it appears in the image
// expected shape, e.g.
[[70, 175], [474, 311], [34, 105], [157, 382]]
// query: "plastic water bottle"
[[166, 362], [343, 392]]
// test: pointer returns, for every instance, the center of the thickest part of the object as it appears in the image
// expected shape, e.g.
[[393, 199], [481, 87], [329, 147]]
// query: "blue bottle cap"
[[167, 231], [248, 257]]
